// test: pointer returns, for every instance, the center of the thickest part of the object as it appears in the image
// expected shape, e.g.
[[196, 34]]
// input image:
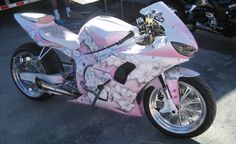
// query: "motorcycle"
[[132, 70], [215, 16]]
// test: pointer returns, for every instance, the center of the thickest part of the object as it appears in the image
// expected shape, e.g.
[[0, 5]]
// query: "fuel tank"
[[102, 31]]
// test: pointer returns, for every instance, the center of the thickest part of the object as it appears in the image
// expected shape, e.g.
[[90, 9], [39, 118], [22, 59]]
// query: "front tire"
[[25, 59], [196, 110]]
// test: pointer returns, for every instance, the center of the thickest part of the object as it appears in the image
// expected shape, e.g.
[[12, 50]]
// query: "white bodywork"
[[104, 31]]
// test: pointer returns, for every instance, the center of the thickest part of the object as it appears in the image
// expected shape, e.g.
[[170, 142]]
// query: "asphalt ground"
[[23, 121]]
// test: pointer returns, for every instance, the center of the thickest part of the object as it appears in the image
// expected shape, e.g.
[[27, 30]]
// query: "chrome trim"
[[26, 62], [232, 5], [191, 111], [50, 78], [205, 28], [42, 53], [53, 89]]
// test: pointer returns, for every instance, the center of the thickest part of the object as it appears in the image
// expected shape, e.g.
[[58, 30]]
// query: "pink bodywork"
[[101, 64], [33, 30]]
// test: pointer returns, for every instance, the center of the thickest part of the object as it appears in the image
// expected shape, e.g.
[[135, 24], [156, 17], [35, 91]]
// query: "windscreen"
[[175, 29]]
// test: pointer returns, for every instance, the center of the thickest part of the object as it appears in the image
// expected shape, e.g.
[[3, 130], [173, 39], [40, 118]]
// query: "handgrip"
[[130, 35]]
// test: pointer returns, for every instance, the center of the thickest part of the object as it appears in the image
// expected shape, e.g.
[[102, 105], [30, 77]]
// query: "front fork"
[[169, 101], [170, 82]]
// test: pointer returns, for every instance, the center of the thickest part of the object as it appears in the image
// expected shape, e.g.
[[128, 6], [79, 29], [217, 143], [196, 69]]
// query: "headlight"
[[183, 49]]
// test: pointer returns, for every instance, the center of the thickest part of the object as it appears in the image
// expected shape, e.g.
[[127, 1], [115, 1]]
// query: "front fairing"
[[149, 61], [175, 29]]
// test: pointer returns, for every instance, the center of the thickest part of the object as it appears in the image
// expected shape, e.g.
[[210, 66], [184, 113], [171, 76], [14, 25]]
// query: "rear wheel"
[[196, 109], [25, 59]]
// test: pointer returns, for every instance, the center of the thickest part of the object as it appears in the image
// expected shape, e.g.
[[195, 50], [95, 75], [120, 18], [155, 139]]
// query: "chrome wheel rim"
[[26, 62], [191, 111]]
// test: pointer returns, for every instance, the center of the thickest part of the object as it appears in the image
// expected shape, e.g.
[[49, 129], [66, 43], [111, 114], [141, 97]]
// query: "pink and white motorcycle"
[[132, 70]]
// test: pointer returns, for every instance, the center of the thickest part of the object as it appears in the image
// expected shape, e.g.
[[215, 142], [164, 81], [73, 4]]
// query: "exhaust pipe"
[[53, 89], [205, 28]]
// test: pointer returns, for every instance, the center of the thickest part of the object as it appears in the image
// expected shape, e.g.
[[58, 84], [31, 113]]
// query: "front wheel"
[[196, 109]]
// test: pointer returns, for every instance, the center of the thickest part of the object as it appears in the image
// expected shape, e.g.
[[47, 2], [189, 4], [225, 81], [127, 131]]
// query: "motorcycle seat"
[[38, 17], [60, 35]]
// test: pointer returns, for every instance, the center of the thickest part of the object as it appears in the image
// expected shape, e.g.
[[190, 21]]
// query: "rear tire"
[[49, 64], [201, 124]]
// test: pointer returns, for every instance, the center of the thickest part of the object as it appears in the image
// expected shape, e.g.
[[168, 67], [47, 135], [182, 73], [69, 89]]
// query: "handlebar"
[[128, 36]]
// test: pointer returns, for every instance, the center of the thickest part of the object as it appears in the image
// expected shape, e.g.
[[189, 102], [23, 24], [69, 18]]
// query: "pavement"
[[23, 121]]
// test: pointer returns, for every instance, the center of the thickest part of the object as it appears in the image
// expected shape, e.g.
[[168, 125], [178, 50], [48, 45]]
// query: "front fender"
[[172, 77], [177, 72]]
